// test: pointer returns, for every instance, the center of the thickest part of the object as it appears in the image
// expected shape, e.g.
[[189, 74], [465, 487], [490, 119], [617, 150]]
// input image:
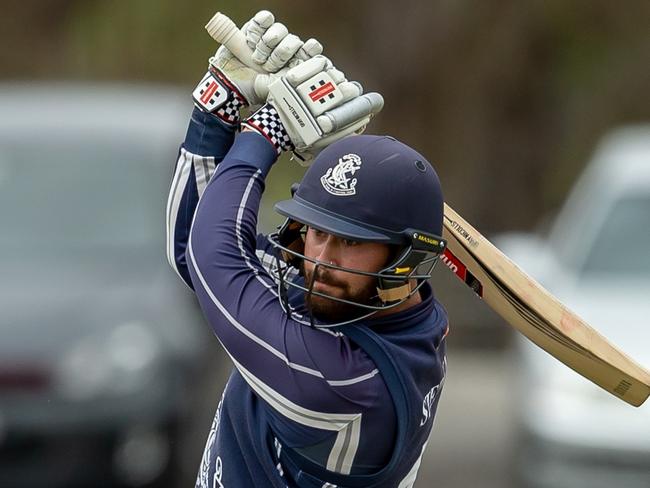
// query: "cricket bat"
[[518, 298], [527, 306]]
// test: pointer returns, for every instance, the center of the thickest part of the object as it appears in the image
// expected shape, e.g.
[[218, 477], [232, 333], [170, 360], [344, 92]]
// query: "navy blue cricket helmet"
[[377, 189]]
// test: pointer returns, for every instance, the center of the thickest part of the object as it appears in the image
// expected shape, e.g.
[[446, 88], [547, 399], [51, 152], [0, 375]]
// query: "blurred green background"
[[505, 97]]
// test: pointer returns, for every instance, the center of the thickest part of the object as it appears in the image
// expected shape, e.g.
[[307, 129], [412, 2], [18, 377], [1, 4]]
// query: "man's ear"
[[290, 236]]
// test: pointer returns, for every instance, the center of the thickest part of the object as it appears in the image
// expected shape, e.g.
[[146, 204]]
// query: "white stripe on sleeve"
[[179, 182]]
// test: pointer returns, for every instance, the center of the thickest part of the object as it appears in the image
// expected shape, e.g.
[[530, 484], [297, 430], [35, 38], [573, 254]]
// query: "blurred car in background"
[[596, 260], [99, 342]]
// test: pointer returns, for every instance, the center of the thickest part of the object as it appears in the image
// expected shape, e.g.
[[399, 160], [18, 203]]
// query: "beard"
[[329, 310]]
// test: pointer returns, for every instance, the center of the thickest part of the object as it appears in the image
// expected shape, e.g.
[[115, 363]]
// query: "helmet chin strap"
[[395, 294], [396, 286]]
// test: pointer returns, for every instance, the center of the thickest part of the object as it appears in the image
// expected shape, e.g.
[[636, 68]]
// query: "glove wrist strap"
[[267, 122], [216, 95]]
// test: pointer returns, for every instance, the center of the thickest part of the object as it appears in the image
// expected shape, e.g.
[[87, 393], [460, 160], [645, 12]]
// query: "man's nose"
[[328, 251]]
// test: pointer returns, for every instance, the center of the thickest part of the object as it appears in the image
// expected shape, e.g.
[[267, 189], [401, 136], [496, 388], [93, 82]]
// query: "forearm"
[[207, 141], [226, 219]]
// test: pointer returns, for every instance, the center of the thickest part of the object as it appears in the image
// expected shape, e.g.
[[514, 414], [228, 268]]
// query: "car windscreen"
[[621, 246], [57, 195]]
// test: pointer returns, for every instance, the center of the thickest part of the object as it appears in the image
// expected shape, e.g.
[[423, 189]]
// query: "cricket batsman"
[[337, 340]]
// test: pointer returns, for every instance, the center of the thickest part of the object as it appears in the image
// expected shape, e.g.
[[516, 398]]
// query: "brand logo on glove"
[[338, 180], [322, 90], [210, 94]]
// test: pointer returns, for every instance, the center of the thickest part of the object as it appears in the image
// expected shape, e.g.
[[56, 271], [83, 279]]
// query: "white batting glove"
[[229, 84], [312, 106]]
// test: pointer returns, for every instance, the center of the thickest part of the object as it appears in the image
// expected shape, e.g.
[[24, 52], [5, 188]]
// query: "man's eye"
[[350, 242], [316, 232]]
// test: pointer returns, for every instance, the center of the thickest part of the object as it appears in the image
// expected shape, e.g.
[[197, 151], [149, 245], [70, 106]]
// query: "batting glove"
[[230, 85], [312, 106]]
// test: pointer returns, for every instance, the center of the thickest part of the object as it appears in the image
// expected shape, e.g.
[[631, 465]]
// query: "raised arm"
[[207, 141], [228, 86]]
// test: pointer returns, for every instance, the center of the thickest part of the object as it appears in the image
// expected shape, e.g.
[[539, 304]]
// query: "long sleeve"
[[207, 141]]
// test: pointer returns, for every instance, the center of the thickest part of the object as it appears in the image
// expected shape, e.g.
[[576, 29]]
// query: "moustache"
[[324, 276]]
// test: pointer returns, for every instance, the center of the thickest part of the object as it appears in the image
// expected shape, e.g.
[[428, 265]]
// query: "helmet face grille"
[[393, 282], [372, 189]]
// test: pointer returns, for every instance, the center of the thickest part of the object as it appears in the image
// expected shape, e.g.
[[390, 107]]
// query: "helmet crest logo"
[[338, 180]]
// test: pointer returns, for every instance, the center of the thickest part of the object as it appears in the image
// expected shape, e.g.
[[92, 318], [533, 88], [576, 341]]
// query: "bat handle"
[[225, 32]]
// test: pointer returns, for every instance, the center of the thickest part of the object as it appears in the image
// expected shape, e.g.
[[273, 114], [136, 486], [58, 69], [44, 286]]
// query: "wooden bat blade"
[[537, 314]]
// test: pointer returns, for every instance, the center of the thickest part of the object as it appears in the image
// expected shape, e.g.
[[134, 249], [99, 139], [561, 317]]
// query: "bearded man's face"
[[330, 249]]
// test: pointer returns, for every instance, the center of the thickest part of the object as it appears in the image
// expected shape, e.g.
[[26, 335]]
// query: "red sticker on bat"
[[454, 264], [460, 270]]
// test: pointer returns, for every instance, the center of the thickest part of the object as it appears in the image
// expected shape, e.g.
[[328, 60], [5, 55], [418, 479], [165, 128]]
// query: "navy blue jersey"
[[304, 406]]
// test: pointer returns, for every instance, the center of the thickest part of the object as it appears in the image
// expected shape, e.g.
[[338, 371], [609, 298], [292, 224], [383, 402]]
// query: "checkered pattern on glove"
[[229, 112], [267, 122]]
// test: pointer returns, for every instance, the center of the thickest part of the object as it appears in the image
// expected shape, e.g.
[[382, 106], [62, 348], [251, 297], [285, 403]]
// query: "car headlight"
[[116, 363]]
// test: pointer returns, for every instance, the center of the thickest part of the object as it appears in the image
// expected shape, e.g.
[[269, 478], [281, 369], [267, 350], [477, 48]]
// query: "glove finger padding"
[[347, 114], [350, 90], [282, 53], [305, 156], [309, 49], [257, 26], [301, 73], [337, 76], [343, 121], [316, 109], [270, 39]]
